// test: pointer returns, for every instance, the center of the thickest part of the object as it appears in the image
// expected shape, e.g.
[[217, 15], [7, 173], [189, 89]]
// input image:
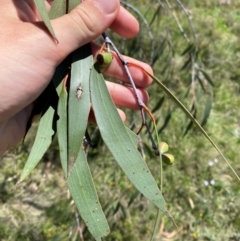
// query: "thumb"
[[84, 24]]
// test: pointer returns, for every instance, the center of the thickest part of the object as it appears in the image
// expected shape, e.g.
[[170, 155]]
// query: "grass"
[[41, 208]]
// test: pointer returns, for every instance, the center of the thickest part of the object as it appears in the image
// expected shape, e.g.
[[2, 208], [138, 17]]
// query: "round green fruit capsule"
[[104, 59], [163, 147], [168, 159]]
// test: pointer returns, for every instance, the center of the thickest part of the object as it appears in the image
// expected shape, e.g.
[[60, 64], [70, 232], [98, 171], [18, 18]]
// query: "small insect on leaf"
[[79, 92]]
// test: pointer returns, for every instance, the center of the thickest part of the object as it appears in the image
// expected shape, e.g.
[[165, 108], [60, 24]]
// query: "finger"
[[82, 25], [29, 42], [85, 23], [125, 24], [89, 20], [124, 96], [116, 69], [92, 119]]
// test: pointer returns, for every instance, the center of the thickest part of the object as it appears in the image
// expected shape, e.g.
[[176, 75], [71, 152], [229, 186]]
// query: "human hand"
[[29, 57]]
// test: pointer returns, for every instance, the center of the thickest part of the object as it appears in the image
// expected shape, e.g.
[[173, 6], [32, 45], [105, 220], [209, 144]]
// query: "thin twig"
[[70, 233], [195, 40], [178, 22], [78, 225], [189, 20], [192, 55]]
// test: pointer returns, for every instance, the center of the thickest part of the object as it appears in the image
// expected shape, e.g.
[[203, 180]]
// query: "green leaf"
[[40, 4], [133, 136], [185, 110], [190, 124], [45, 103], [83, 192], [119, 142], [79, 101], [166, 121], [200, 81], [72, 4], [58, 8], [207, 110], [207, 77], [158, 51], [62, 130], [190, 48], [187, 64], [41, 103], [159, 104], [42, 141], [59, 80]]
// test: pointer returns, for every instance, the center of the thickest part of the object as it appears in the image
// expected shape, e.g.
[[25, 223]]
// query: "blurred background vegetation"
[[193, 47]]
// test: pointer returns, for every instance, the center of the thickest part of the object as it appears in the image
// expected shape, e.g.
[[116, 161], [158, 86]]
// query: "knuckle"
[[84, 22]]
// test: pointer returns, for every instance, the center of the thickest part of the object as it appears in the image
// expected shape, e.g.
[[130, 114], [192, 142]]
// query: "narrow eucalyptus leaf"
[[156, 15], [83, 192], [166, 121], [72, 4], [79, 100], [41, 103], [188, 49], [50, 94], [158, 51], [41, 7], [133, 136], [133, 197], [61, 74], [200, 81], [62, 130], [185, 110], [186, 64], [58, 9], [207, 110], [190, 123], [159, 104], [119, 142], [207, 77], [59, 80], [42, 142]]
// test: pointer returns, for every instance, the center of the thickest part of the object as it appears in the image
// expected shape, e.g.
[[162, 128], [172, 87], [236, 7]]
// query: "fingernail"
[[106, 6]]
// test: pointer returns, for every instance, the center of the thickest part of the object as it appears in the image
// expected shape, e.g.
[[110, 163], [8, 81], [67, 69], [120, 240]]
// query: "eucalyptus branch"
[[195, 40], [192, 55], [161, 4], [189, 20], [79, 229], [142, 106], [178, 22]]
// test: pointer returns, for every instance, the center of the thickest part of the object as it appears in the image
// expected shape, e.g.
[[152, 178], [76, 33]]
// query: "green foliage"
[[72, 103], [119, 142], [202, 212]]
